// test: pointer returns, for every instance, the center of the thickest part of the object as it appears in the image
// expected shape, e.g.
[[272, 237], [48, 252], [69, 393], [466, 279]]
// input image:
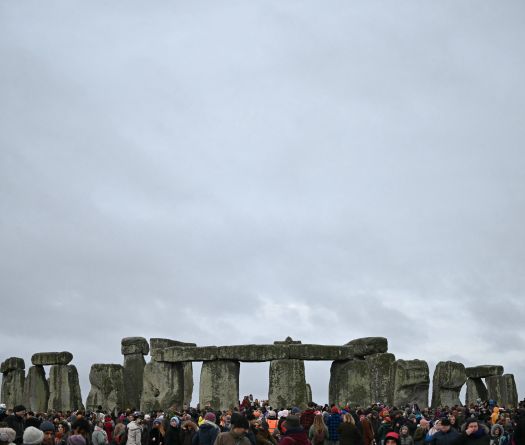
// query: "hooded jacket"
[[294, 436], [207, 434], [134, 433]]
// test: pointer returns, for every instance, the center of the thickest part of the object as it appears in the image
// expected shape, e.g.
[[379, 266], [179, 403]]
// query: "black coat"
[[18, 424]]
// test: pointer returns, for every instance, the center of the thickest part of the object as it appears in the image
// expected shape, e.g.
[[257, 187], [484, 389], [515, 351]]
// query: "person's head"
[[33, 436], [239, 425], [347, 418], [452, 419], [81, 427], [423, 423], [471, 426], [156, 423], [404, 430], [210, 417], [445, 425], [174, 422], [7, 436], [392, 438], [20, 410]]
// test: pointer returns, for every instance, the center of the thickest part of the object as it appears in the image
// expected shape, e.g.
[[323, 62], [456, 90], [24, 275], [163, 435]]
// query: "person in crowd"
[[237, 433], [294, 434], [49, 432], [7, 436], [404, 436], [332, 422], [62, 433], [173, 432], [16, 421], [318, 432], [473, 434], [32, 436], [99, 436], [348, 432], [208, 431], [187, 431], [307, 416]]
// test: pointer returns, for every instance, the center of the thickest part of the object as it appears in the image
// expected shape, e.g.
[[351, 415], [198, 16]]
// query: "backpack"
[[319, 437]]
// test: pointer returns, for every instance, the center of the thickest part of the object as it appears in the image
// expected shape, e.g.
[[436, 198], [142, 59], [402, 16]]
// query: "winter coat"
[[311, 436], [229, 438], [480, 437], [172, 436], [188, 430], [442, 438], [349, 434], [307, 418], [206, 435], [156, 437], [406, 440], [134, 433], [368, 431], [332, 422], [294, 436], [98, 437], [16, 423]]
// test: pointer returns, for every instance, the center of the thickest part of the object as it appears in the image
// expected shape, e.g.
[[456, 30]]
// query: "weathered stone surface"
[[12, 364], [287, 384], [36, 389], [309, 393], [379, 368], [163, 386], [162, 343], [287, 341], [350, 383], [12, 393], [482, 371], [134, 345], [409, 382], [51, 358], [252, 353], [476, 389], [368, 346], [133, 380], [219, 384], [64, 388], [449, 378], [187, 368], [107, 387], [262, 353], [502, 389]]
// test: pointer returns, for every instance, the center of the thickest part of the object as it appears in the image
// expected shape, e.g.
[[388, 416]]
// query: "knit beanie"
[[33, 436], [7, 435], [76, 439], [46, 425], [210, 417]]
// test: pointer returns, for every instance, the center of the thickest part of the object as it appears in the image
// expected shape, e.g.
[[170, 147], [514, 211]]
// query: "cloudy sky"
[[237, 172]]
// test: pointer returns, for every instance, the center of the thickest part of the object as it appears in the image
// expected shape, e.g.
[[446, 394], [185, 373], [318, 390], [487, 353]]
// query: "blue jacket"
[[332, 422]]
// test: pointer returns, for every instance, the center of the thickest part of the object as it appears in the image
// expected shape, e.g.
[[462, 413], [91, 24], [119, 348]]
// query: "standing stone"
[[502, 389], [107, 388], [409, 383], [476, 389], [309, 393], [64, 389], [36, 389], [219, 384], [449, 378], [350, 383], [13, 379], [287, 384], [133, 349], [163, 386], [379, 368]]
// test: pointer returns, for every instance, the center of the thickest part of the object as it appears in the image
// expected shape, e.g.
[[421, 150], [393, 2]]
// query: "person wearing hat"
[[473, 434], [332, 422], [32, 436], [173, 432], [208, 431], [295, 433], [16, 421], [237, 434], [49, 432], [446, 434], [392, 438], [7, 436]]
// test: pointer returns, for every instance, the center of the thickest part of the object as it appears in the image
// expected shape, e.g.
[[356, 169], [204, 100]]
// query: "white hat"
[[33, 436]]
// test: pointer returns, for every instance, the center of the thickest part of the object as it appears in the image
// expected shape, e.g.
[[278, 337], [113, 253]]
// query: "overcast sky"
[[237, 172]]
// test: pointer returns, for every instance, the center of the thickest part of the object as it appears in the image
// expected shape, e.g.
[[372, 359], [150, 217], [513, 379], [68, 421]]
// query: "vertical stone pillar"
[[161, 343], [36, 389], [64, 389], [309, 393], [502, 389], [287, 384], [350, 383], [476, 389], [219, 384], [13, 380], [163, 386], [379, 369], [410, 383], [107, 388], [449, 378], [134, 349]]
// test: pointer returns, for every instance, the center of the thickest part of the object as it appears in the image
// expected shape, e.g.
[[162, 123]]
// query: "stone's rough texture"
[[12, 364], [12, 393], [107, 387], [379, 368], [476, 389], [287, 384], [187, 368], [162, 343], [409, 382], [264, 353], [219, 385], [163, 386], [64, 388], [185, 354], [51, 358], [309, 393], [369, 345], [449, 378], [502, 389], [482, 371], [350, 383], [133, 372], [134, 345], [252, 353], [36, 389]]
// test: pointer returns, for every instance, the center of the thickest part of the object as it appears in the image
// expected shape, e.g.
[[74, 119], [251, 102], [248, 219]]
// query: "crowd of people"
[[256, 423]]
